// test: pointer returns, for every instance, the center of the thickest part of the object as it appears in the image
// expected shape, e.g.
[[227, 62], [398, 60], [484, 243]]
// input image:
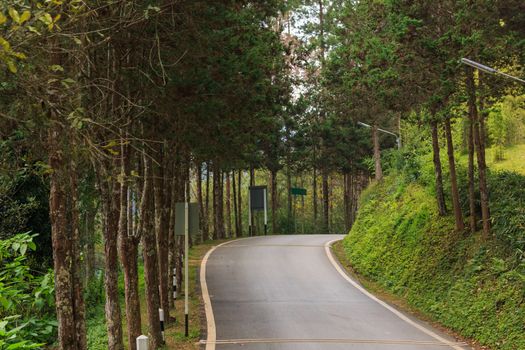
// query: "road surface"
[[286, 293]]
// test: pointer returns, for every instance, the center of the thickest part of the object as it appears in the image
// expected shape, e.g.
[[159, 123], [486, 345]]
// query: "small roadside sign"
[[297, 191], [180, 219]]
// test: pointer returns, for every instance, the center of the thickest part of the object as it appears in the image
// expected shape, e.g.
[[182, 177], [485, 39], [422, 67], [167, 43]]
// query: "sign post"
[[297, 191], [186, 223], [257, 200], [186, 279]]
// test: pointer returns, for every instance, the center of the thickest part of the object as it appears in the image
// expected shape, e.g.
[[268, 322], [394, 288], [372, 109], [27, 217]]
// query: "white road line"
[[210, 319], [382, 303]]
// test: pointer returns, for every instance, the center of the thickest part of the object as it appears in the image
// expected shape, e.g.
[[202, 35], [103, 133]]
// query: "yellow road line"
[[330, 341]]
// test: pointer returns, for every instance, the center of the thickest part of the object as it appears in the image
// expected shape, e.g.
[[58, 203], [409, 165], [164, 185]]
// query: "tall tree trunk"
[[377, 154], [68, 297], [89, 227], [129, 254], [314, 192], [198, 166], [253, 227], [346, 200], [228, 207], [289, 197], [326, 201], [480, 151], [110, 195], [440, 195], [275, 199], [458, 216], [235, 208], [471, 180], [216, 198], [161, 220], [222, 230], [78, 298], [239, 184], [150, 258]]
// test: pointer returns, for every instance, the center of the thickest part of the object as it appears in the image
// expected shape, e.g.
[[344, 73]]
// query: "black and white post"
[[161, 318]]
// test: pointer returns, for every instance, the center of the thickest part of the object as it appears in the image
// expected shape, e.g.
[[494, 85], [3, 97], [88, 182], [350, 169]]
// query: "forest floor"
[[392, 299]]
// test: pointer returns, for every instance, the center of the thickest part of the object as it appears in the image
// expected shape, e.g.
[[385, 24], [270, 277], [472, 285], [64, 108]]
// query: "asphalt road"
[[283, 292]]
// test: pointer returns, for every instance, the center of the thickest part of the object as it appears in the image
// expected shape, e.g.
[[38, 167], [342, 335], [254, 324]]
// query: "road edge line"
[[399, 314], [211, 331]]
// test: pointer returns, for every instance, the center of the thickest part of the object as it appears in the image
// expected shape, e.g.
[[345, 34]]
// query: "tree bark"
[[314, 192], [480, 151], [222, 230], [273, 190], [377, 154], [216, 198], [68, 297], [89, 227], [290, 198], [239, 184], [110, 196], [129, 254], [198, 166], [161, 220], [458, 216], [228, 207], [440, 195], [326, 201], [471, 184], [150, 258], [253, 227], [346, 199], [235, 207], [78, 298]]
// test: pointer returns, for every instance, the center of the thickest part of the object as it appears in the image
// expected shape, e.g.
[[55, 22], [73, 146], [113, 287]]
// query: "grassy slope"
[[401, 244]]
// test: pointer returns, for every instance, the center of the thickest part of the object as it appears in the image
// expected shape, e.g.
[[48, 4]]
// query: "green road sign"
[[297, 191]]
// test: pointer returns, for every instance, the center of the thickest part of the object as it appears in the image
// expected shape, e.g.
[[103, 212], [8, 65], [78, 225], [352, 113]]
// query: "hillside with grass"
[[473, 286]]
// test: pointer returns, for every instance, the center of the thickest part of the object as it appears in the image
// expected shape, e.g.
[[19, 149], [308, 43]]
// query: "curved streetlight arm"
[[398, 139], [488, 69]]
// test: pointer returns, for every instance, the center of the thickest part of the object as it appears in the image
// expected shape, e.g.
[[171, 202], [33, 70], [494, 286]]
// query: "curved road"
[[284, 292]]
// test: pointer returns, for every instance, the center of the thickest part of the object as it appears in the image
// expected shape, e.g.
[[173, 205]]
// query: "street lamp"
[[489, 70], [398, 139]]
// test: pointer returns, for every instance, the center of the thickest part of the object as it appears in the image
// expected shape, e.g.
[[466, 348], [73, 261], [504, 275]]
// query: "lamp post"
[[489, 70], [398, 139]]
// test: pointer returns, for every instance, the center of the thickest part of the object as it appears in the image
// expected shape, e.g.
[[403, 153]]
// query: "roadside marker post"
[[186, 222], [142, 342], [161, 318]]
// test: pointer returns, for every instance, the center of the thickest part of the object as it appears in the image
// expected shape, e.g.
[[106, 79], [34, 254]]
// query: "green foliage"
[[506, 124], [26, 299], [474, 287]]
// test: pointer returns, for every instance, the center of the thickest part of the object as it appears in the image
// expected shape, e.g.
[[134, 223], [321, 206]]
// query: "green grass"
[[514, 159], [474, 287], [175, 339]]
